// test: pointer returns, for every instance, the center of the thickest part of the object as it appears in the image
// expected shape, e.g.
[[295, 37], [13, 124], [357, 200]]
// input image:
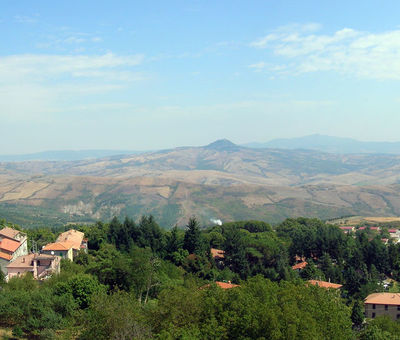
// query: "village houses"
[[13, 243]]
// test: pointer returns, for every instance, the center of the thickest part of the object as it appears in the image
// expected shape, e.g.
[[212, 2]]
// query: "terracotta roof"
[[300, 265], [392, 231], [58, 246], [223, 285], [73, 236], [9, 232], [383, 299], [24, 261], [361, 228], [325, 284], [5, 256], [226, 285], [9, 245], [217, 253]]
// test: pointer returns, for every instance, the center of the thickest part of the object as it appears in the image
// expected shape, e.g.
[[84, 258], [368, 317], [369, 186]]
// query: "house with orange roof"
[[62, 249], [300, 266], [325, 284], [223, 285], [76, 238], [13, 243], [378, 304], [40, 265]]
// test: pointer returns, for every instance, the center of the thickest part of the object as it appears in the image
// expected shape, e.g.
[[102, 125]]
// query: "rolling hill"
[[221, 180]]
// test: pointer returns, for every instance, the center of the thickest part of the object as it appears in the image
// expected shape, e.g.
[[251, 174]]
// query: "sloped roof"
[[383, 299], [25, 261], [58, 246], [223, 285], [73, 236], [325, 284], [5, 256], [217, 253], [9, 232], [300, 265], [9, 245], [226, 285]]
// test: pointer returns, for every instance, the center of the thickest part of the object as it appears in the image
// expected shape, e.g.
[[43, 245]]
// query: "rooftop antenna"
[[34, 247]]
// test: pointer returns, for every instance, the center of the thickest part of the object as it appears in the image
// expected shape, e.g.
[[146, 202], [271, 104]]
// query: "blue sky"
[[149, 75]]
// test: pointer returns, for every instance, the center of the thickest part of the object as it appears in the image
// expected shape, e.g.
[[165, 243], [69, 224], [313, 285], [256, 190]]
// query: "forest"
[[140, 281]]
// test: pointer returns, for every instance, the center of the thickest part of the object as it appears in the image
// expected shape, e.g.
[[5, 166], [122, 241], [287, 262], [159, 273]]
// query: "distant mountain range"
[[221, 180], [330, 144], [313, 142]]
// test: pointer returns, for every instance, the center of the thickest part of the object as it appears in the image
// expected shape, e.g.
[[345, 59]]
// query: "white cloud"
[[40, 67], [35, 87], [347, 51]]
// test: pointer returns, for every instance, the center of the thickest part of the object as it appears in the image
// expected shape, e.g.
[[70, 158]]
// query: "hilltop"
[[220, 180]]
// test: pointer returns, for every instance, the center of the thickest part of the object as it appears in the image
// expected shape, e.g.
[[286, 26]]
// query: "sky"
[[144, 75]]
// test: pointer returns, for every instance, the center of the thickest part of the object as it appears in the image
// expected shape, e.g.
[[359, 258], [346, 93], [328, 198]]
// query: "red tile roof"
[[383, 299], [5, 256], [225, 285], [9, 245], [325, 284], [392, 231], [73, 236], [9, 232], [58, 246], [217, 253], [25, 261], [300, 265]]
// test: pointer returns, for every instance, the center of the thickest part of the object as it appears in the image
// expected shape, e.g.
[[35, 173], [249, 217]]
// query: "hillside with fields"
[[265, 184]]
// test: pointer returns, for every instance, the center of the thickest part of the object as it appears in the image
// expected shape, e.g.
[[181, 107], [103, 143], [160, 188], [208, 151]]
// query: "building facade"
[[378, 304]]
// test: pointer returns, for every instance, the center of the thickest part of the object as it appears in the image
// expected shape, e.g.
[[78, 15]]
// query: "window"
[[386, 307], [373, 306], [373, 315], [398, 316], [398, 307]]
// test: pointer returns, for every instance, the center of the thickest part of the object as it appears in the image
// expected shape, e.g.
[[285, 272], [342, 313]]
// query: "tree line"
[[140, 281]]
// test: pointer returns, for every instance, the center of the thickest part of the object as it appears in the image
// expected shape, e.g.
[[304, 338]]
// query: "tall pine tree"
[[193, 240]]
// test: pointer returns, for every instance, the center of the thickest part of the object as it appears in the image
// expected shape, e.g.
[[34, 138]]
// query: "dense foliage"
[[139, 281]]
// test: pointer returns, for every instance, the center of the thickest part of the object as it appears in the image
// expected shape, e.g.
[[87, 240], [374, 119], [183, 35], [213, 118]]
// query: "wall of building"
[[65, 254], [12, 272], [3, 266], [392, 310], [22, 249]]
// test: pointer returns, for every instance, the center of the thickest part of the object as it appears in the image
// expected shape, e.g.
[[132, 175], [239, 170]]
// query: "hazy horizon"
[[129, 76]]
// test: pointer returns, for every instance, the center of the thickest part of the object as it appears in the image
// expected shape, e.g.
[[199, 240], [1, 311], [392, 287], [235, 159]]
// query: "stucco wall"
[[392, 310]]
